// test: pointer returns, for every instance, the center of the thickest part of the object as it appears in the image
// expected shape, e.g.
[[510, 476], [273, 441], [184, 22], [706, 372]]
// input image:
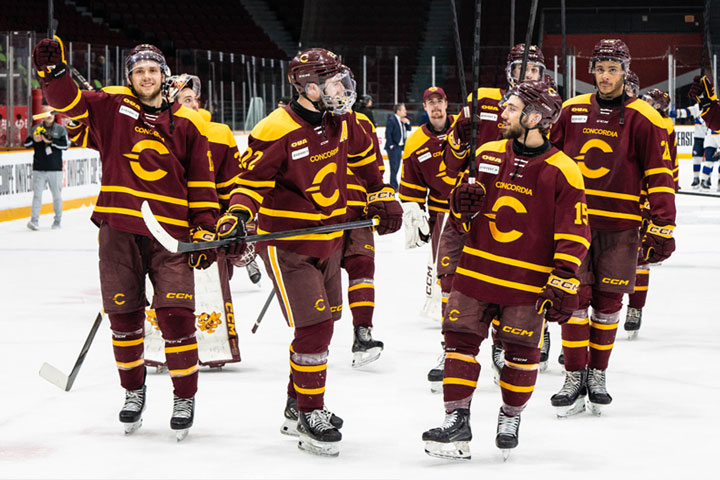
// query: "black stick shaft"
[[528, 40], [706, 37], [264, 309], [84, 351], [473, 95], [566, 67], [458, 53]]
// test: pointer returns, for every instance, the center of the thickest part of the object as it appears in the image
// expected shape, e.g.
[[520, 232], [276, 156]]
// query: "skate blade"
[[289, 427], [436, 387], [449, 451], [132, 427], [632, 335], [181, 434], [570, 410], [543, 366], [325, 449], [361, 359], [505, 453], [595, 408]]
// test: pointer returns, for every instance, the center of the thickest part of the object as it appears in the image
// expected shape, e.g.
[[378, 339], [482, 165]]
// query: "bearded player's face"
[[511, 118], [609, 76], [146, 80]]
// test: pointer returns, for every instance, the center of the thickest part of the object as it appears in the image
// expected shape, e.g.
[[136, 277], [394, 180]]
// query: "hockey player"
[[711, 145], [156, 152], [632, 85], [699, 132], [298, 159], [620, 144], [528, 234], [702, 92]]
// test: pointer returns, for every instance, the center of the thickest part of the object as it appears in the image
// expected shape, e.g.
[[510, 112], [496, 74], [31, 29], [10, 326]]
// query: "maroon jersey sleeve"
[[226, 160], [361, 156], [369, 127], [711, 116]]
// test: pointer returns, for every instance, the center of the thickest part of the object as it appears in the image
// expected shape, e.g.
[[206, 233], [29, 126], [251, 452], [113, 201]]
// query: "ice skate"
[[182, 417], [561, 359], [289, 426], [507, 433], [695, 185], [598, 397], [498, 361], [705, 184], [437, 374], [570, 400], [365, 349], [317, 434], [545, 350], [253, 271], [632, 322], [131, 413], [452, 439]]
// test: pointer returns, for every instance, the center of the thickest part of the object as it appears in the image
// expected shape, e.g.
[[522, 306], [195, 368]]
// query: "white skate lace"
[[319, 420], [182, 407], [134, 400], [508, 425], [596, 380], [364, 335], [633, 315], [498, 356], [572, 383], [450, 421], [441, 362], [546, 342]]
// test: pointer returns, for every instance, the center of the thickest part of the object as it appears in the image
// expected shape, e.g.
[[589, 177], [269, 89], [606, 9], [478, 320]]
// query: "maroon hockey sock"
[[461, 369], [575, 341], [308, 364], [445, 286], [181, 352], [127, 339], [361, 289], [642, 281], [603, 328], [518, 376]]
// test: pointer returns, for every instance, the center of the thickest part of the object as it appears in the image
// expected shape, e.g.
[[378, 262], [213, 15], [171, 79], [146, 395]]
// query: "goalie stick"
[[173, 245], [65, 382]]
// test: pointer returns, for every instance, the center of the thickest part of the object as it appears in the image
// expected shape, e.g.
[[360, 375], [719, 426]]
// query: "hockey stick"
[[262, 312], [65, 382], [706, 37], [473, 95], [176, 246], [528, 39], [698, 194], [458, 53]]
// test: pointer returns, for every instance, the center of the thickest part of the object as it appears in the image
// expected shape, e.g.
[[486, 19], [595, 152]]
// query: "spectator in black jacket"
[[48, 139]]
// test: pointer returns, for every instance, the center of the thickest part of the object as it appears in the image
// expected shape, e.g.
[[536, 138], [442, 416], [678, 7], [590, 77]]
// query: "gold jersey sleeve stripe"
[[661, 190], [605, 213], [255, 183], [361, 163], [204, 205], [136, 213], [568, 258], [302, 215], [147, 195], [72, 104], [249, 193], [619, 196], [437, 200], [82, 115], [308, 368], [413, 186], [573, 238], [438, 209], [657, 171], [313, 236], [181, 348], [412, 199], [196, 184], [362, 154]]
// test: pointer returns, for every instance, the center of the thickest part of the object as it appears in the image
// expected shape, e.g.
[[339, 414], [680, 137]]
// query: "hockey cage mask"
[[176, 83], [535, 63]]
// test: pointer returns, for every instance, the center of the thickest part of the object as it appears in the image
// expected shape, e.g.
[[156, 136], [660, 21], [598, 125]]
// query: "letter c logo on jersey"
[[498, 235], [589, 145], [314, 190], [137, 149]]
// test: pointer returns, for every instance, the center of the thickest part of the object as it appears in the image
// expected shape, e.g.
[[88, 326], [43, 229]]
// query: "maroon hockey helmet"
[[540, 98], [143, 52], [514, 62], [549, 81], [633, 82], [314, 65], [611, 49], [659, 100]]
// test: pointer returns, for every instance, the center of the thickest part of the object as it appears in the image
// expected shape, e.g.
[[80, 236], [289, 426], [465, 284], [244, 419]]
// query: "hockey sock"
[[445, 286], [518, 376], [575, 340], [603, 327], [461, 369], [697, 164], [361, 289], [308, 364], [642, 281], [127, 339], [181, 351]]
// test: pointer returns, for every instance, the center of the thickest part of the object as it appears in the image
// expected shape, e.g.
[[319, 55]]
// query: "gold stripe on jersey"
[[362, 116], [498, 281], [516, 388], [274, 265], [181, 348], [605, 213], [196, 184], [414, 142], [413, 186], [354, 186], [150, 196], [437, 200], [506, 260], [250, 193], [78, 117], [302, 215], [256, 183], [578, 100], [572, 238], [657, 171], [661, 190], [568, 168], [194, 117], [361, 163], [361, 154], [459, 381], [644, 108], [275, 126], [311, 236], [136, 213], [71, 104], [619, 196], [204, 205], [411, 199], [460, 356], [485, 92], [232, 181], [308, 368], [568, 258], [355, 203]]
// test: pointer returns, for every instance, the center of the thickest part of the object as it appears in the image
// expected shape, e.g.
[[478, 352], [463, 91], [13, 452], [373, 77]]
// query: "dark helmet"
[[142, 52], [538, 97], [364, 100], [515, 57], [659, 100], [610, 49], [633, 81], [314, 65], [549, 81]]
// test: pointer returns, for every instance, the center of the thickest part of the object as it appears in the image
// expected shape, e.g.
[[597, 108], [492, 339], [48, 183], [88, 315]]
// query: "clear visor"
[[144, 59], [338, 93], [533, 71], [612, 69]]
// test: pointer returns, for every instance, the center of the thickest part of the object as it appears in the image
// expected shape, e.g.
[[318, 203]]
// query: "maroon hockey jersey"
[[226, 159], [357, 191], [616, 159], [142, 159], [533, 223]]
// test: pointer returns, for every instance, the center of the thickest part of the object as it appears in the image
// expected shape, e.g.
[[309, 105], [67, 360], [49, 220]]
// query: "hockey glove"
[[658, 243], [202, 259], [232, 226], [558, 299], [463, 127], [49, 58], [702, 92], [467, 199], [383, 206], [417, 228]]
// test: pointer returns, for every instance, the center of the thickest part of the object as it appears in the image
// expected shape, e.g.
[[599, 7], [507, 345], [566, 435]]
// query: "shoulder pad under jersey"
[[275, 126], [569, 169]]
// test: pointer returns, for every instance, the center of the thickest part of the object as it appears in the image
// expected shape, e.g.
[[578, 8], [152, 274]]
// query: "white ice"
[[663, 422]]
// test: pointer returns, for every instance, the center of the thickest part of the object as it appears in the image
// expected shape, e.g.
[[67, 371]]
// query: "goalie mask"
[[176, 83], [535, 63], [140, 55]]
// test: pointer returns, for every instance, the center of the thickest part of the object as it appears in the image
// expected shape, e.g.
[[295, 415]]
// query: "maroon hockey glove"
[[49, 58], [702, 92], [232, 226], [658, 243], [467, 198], [558, 299], [202, 259], [382, 204], [463, 129]]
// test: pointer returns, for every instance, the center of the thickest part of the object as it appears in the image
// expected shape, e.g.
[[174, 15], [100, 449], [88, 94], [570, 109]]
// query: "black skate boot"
[[706, 184], [182, 416], [507, 433], [498, 361], [632, 322], [545, 350], [561, 359], [365, 349], [570, 400], [695, 183], [289, 426], [598, 397], [317, 433], [451, 440], [437, 374], [253, 272], [131, 413]]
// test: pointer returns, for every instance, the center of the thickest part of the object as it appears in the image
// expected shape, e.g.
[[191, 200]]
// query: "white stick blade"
[[157, 231], [54, 376]]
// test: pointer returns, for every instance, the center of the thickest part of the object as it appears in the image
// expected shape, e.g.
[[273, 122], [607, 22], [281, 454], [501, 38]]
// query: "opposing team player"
[[700, 130], [528, 234], [156, 152], [620, 144], [297, 177]]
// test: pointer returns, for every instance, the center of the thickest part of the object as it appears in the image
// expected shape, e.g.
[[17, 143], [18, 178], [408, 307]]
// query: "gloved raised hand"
[[204, 258], [231, 225], [48, 58], [558, 299], [417, 228], [383, 206], [467, 198], [658, 243], [702, 92]]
